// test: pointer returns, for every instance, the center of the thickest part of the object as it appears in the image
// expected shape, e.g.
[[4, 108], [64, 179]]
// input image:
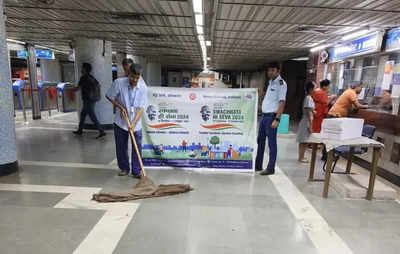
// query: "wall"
[[294, 73], [175, 79], [50, 70], [153, 74]]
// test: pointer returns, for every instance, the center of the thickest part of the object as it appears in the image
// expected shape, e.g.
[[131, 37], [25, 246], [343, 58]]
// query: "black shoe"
[[78, 132], [102, 134], [259, 169], [267, 172]]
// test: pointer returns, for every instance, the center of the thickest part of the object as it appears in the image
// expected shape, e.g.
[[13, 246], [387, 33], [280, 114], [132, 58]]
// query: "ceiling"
[[245, 34]]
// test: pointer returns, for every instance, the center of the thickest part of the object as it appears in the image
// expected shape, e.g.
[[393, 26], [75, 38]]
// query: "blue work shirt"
[[276, 92], [131, 99]]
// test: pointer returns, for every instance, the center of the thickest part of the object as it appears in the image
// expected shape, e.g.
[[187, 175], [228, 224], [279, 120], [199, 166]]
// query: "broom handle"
[[135, 147]]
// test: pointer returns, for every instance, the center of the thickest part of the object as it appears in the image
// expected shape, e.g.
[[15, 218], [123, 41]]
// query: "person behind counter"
[[321, 100], [347, 101], [305, 126], [385, 102]]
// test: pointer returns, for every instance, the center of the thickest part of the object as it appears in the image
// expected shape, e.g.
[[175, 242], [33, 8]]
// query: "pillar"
[[8, 148], [51, 70], [33, 81], [99, 54], [153, 74], [143, 62], [119, 57]]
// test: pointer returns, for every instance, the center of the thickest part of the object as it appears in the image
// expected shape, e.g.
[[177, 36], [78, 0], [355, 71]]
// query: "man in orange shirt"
[[347, 101]]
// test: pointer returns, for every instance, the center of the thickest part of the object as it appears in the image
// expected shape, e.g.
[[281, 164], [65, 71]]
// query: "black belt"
[[269, 114]]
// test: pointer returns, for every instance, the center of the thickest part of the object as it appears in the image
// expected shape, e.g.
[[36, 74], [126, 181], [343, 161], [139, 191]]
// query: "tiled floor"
[[226, 213]]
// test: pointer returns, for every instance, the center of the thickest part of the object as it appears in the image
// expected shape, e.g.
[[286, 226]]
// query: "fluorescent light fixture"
[[15, 41], [201, 38], [198, 6], [55, 50], [199, 19], [305, 58], [355, 34], [208, 43], [319, 47], [200, 30]]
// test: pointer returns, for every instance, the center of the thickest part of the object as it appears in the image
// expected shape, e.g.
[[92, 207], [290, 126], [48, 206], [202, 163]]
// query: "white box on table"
[[342, 128]]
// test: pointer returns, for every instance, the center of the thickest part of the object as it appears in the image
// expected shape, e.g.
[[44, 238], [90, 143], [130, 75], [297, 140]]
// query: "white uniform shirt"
[[132, 100], [276, 92]]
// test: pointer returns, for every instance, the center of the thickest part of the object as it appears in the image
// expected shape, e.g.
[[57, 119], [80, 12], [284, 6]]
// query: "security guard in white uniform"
[[272, 109]]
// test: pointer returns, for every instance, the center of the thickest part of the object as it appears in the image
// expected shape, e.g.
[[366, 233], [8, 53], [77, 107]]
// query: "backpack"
[[95, 91]]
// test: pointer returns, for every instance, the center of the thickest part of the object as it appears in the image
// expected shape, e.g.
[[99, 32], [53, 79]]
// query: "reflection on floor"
[[45, 207]]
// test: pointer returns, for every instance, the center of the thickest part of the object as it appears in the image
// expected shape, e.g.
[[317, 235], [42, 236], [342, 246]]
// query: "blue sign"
[[40, 54], [22, 54], [364, 45], [44, 54], [392, 39]]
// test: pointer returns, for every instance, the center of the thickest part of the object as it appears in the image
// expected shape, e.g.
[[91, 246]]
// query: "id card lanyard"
[[132, 96]]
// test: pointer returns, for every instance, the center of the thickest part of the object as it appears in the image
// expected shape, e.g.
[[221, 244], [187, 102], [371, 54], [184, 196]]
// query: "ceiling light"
[[319, 47], [198, 6], [208, 43], [304, 58], [199, 19], [355, 34], [208, 58], [201, 38], [200, 30], [15, 41]]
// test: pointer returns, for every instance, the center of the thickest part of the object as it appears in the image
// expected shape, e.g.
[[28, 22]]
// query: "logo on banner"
[[192, 96], [151, 112], [205, 113]]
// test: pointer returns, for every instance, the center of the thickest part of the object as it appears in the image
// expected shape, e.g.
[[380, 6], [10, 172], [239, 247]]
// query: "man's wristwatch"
[[277, 119]]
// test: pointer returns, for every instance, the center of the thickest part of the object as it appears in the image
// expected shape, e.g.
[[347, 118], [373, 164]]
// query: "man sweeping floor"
[[132, 96], [129, 96]]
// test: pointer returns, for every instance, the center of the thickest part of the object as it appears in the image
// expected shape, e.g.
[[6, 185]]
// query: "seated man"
[[347, 101]]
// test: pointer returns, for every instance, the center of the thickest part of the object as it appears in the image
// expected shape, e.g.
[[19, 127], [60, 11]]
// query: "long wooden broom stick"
[[131, 134]]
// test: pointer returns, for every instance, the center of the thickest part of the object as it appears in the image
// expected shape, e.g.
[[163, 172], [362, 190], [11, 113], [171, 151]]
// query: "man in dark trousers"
[[129, 96], [272, 109], [87, 85]]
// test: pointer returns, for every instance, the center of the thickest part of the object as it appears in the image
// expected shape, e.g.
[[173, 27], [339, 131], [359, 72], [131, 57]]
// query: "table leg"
[[312, 164], [349, 159], [328, 173], [374, 165]]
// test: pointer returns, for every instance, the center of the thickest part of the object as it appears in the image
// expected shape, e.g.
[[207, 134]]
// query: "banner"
[[200, 128]]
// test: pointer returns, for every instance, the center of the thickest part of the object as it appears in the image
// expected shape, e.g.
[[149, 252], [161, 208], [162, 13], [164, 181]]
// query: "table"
[[330, 145]]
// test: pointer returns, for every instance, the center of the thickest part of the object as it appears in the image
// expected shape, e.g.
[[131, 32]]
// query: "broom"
[[145, 188]]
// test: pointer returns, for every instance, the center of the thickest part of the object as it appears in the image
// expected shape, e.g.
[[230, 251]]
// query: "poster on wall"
[[388, 75], [197, 128]]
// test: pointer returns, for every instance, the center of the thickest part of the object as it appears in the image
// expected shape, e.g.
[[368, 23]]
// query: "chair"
[[368, 131]]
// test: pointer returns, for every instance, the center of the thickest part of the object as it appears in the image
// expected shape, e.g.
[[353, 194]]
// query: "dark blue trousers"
[[121, 147], [265, 131], [88, 109]]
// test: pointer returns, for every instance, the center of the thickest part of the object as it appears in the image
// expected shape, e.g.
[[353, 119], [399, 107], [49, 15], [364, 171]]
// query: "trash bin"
[[66, 97], [283, 127], [22, 94], [48, 95]]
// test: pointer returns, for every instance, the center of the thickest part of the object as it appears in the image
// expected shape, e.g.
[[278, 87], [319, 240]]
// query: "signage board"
[[40, 54], [197, 128], [364, 45], [392, 40]]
